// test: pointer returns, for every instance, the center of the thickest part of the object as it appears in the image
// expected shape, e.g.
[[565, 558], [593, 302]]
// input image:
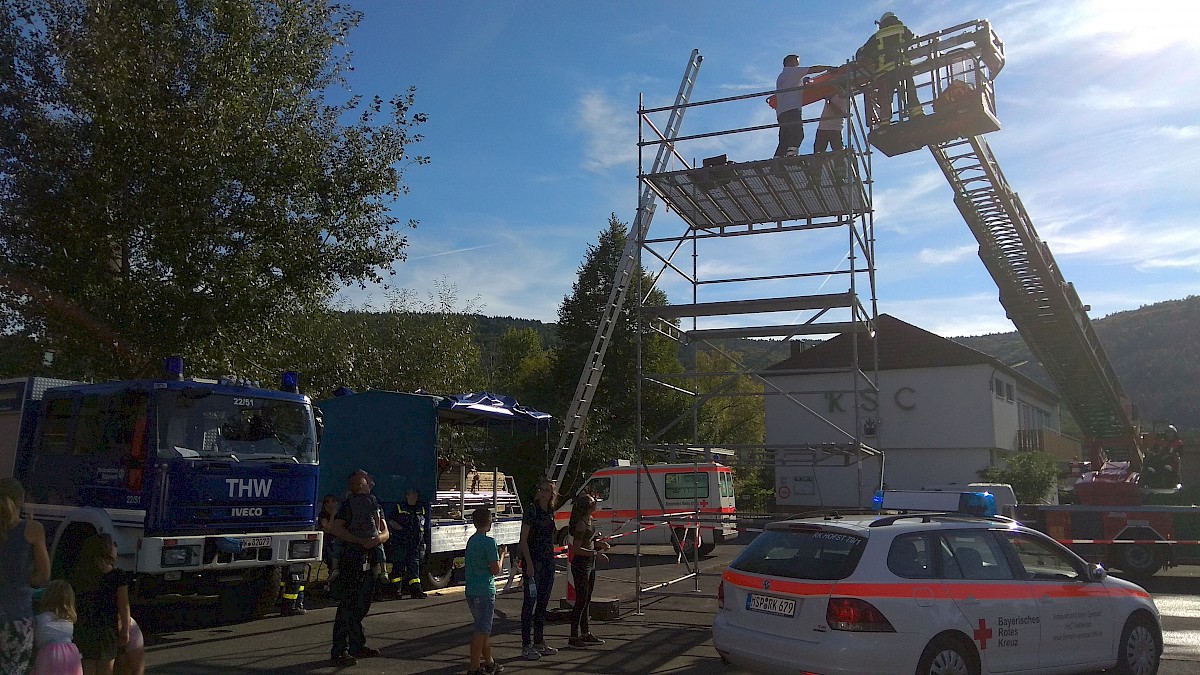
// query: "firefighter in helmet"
[[883, 58], [410, 525]]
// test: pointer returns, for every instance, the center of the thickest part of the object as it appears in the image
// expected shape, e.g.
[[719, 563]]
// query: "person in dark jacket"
[[537, 570], [883, 57], [409, 524]]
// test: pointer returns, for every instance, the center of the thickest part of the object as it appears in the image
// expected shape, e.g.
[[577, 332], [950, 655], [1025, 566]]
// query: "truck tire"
[[684, 541], [707, 546], [66, 552], [254, 598], [1139, 561], [438, 572]]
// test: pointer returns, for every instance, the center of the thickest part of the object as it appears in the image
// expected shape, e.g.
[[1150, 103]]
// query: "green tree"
[[737, 416], [1031, 475], [177, 179], [611, 431]]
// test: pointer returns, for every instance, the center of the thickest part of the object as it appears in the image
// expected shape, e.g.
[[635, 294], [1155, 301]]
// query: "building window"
[[1008, 392], [998, 387]]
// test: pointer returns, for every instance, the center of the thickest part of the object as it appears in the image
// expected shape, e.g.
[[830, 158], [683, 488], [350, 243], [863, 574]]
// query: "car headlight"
[[305, 548], [179, 556]]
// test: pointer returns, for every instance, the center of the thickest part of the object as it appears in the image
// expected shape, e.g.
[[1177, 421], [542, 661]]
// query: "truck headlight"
[[179, 556], [305, 548]]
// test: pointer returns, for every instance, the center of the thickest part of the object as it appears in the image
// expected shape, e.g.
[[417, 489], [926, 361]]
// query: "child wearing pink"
[[54, 629]]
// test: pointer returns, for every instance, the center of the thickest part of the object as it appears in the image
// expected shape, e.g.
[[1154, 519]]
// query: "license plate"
[[256, 542], [770, 605]]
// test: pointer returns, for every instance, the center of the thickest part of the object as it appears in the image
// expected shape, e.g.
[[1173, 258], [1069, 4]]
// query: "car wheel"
[[1138, 560], [1139, 653], [947, 656]]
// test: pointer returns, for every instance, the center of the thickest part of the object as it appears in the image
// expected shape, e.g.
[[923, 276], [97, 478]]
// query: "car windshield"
[[199, 423], [802, 554]]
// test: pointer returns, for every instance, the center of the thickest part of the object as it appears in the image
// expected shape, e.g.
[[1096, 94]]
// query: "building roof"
[[902, 346]]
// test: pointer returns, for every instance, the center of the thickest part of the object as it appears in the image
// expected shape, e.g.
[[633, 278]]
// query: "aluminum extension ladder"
[[589, 379]]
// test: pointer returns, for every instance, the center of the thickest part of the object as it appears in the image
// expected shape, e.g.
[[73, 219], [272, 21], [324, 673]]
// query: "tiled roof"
[[902, 346]]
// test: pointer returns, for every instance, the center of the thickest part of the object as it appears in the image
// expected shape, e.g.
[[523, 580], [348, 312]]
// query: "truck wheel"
[[1138, 560], [438, 573], [254, 598], [707, 547], [683, 541], [266, 593], [1138, 649], [560, 536], [66, 552]]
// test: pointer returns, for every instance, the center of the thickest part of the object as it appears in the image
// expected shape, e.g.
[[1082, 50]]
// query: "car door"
[[1001, 614], [1077, 616]]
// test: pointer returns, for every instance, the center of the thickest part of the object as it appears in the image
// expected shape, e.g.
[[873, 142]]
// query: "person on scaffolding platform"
[[410, 526], [788, 104], [883, 57]]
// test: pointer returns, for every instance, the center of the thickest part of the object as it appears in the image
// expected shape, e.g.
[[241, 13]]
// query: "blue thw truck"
[[207, 486]]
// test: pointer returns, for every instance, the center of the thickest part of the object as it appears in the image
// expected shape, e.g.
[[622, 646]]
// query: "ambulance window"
[[973, 554], [600, 488], [1041, 561], [801, 554], [690, 485], [725, 481]]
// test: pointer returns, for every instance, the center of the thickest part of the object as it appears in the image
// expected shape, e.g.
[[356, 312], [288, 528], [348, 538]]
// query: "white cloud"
[[945, 256], [609, 135]]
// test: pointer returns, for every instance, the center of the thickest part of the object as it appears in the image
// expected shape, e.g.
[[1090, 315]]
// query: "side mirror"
[[1096, 573], [319, 418]]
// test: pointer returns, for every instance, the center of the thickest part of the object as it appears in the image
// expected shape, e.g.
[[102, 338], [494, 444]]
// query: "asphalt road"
[[671, 633]]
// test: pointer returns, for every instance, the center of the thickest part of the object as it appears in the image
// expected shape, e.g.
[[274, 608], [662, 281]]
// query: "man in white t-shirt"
[[788, 104]]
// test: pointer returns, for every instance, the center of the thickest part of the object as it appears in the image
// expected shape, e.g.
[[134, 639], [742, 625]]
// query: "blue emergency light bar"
[[290, 381], [969, 503]]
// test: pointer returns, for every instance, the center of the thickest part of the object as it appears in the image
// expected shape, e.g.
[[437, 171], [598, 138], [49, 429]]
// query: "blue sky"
[[533, 130]]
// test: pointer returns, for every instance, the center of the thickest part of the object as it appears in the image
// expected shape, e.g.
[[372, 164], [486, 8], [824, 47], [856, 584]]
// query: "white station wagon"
[[927, 593]]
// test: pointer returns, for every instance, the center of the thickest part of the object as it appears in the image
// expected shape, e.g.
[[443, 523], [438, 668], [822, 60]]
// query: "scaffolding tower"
[[817, 205]]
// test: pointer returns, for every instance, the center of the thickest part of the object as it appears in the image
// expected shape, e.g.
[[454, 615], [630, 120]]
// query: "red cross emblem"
[[982, 634], [704, 503]]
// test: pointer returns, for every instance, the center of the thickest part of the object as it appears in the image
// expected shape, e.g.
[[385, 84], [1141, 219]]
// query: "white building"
[[943, 413]]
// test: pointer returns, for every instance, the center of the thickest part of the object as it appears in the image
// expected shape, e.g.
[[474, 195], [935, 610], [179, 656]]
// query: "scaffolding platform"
[[801, 187]]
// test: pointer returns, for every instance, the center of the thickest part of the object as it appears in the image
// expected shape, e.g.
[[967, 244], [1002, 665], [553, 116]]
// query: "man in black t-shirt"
[[357, 564]]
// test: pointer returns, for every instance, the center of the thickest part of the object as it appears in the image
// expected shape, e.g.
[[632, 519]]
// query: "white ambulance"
[[690, 497]]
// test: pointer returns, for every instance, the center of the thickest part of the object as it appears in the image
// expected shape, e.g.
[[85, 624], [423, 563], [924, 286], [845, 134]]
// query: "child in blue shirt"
[[483, 561]]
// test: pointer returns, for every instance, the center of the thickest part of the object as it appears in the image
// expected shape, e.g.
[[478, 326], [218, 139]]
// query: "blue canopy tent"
[[493, 411]]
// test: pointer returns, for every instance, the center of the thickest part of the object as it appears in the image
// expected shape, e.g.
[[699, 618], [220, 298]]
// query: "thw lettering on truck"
[[249, 487]]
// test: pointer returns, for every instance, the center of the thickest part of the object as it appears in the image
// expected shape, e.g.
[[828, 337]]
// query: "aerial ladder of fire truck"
[[589, 380], [951, 86]]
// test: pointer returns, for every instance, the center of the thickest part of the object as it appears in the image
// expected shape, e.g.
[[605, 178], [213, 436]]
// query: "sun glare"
[[1146, 27]]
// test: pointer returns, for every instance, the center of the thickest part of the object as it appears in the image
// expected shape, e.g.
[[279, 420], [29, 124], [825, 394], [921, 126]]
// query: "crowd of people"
[[81, 625], [357, 530]]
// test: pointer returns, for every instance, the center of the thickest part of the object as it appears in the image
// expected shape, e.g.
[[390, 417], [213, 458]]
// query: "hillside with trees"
[[1149, 351]]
